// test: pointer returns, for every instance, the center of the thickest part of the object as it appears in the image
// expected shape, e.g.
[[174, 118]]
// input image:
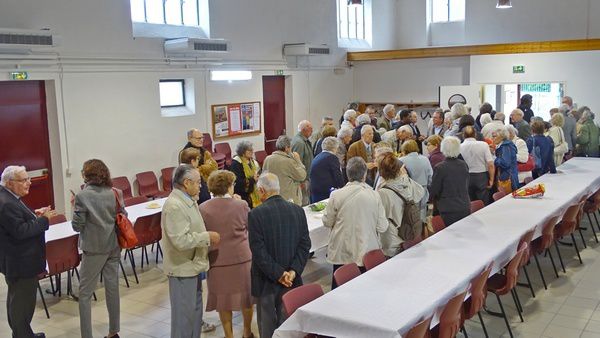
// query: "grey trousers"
[[20, 305], [186, 306], [478, 187], [91, 266], [269, 312]]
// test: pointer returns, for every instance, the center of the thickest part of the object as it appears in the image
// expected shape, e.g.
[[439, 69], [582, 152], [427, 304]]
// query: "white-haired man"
[[364, 148], [22, 249], [301, 145], [517, 120], [386, 121], [349, 119], [280, 244], [569, 128], [394, 138], [363, 120]]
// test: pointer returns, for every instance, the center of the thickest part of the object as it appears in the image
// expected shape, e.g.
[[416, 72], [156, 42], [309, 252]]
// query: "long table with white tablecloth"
[[389, 299], [319, 235]]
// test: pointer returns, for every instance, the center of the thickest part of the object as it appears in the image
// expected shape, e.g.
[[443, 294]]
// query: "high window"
[[354, 24], [447, 10], [166, 12]]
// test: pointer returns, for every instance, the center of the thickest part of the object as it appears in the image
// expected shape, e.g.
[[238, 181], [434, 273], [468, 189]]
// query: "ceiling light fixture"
[[503, 4], [355, 3]]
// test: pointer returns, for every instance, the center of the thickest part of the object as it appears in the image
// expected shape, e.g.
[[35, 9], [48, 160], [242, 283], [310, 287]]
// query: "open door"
[[274, 103], [469, 95]]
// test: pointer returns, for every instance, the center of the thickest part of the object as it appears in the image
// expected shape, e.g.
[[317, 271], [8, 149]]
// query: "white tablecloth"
[[390, 299]]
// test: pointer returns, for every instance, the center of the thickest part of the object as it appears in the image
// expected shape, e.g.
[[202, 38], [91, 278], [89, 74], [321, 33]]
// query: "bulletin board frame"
[[231, 120]]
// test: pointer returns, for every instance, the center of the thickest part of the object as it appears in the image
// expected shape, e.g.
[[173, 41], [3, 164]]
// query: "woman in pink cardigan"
[[229, 274]]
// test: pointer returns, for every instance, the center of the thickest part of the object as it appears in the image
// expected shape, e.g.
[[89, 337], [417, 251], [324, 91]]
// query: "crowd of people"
[[380, 175]]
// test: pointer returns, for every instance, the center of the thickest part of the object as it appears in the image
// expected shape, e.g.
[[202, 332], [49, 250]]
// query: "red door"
[[274, 103], [24, 130]]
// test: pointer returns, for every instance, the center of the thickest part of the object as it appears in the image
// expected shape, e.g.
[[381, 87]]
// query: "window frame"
[[182, 82], [356, 24], [448, 12], [164, 12]]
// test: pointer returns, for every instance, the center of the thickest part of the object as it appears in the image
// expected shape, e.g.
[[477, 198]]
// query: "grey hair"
[[512, 131], [343, 132], [183, 172], [356, 169], [485, 119], [349, 114], [283, 142], [459, 110], [363, 119], [448, 116], [405, 128], [517, 112], [241, 147], [303, 124], [268, 182], [10, 172], [387, 108], [564, 108], [588, 115], [502, 131], [384, 149], [557, 120], [330, 144], [364, 129], [500, 116], [450, 146], [191, 132], [326, 119]]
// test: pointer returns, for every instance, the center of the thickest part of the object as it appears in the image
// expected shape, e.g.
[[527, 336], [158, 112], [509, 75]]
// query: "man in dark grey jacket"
[[569, 127]]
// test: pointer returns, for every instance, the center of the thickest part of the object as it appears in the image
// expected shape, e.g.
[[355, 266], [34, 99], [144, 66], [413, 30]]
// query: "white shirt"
[[476, 154]]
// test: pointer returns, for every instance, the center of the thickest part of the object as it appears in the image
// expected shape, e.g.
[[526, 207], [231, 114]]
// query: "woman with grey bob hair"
[[325, 171], [557, 135], [246, 170], [450, 183]]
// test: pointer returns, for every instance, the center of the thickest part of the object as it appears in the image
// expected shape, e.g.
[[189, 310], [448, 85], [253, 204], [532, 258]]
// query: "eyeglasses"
[[197, 138], [23, 180]]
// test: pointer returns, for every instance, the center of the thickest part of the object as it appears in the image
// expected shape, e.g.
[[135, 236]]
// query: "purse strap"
[[119, 206]]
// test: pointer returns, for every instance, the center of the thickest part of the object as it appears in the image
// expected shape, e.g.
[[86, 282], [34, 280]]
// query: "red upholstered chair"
[[500, 284], [437, 223], [542, 245], [409, 244], [346, 273], [473, 305], [567, 227], [260, 156], [450, 319], [148, 185], [207, 142], [220, 159], [59, 218], [591, 206], [498, 195], [166, 175], [225, 149], [527, 238], [420, 329], [476, 205], [373, 258], [135, 200], [122, 183], [300, 296], [148, 231]]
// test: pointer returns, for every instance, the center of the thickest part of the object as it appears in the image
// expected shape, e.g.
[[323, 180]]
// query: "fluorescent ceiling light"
[[230, 75], [503, 4]]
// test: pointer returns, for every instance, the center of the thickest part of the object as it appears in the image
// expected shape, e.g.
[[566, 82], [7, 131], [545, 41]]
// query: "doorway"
[[506, 97], [24, 130], [274, 115]]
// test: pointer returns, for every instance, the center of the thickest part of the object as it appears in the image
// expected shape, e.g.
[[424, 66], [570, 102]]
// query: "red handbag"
[[527, 166], [125, 234]]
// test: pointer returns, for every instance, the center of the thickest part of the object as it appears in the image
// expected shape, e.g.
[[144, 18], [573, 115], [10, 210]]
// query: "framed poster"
[[236, 119]]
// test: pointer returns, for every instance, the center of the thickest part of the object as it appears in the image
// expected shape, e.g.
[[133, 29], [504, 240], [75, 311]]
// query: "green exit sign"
[[19, 75], [518, 69], [279, 72]]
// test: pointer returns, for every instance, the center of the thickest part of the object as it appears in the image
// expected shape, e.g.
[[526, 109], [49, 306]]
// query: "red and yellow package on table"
[[535, 191]]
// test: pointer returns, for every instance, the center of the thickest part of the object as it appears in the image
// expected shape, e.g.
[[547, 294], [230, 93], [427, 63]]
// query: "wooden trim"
[[503, 48]]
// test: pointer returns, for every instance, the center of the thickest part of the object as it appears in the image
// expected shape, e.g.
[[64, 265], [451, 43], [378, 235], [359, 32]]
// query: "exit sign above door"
[[518, 69]]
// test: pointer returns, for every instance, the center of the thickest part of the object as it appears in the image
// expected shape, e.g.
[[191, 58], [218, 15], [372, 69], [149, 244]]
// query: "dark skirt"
[[229, 287]]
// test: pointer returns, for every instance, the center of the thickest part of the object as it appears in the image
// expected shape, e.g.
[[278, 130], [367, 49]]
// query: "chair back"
[[527, 238], [409, 244], [450, 318], [498, 195], [346, 273], [373, 258], [207, 142], [225, 149], [260, 157], [166, 175], [62, 255], [420, 329], [478, 293], [122, 183], [135, 200], [437, 223], [147, 229], [147, 183], [512, 270], [300, 296], [568, 223], [476, 205], [59, 218], [528, 180], [548, 233]]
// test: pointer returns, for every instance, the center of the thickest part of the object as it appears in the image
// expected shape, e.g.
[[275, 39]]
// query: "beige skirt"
[[229, 287]]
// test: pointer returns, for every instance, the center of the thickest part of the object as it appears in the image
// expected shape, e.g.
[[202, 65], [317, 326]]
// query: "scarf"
[[250, 169]]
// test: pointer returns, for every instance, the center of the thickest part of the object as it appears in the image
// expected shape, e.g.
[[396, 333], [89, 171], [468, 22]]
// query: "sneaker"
[[208, 327]]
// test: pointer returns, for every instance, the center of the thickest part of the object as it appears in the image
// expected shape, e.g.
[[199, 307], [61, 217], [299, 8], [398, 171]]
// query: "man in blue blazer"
[[22, 249], [325, 172], [279, 241]]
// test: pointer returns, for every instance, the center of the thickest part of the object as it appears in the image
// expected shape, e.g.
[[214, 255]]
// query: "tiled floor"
[[569, 308]]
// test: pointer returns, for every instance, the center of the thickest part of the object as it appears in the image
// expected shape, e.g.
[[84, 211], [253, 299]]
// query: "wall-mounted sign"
[[520, 69], [236, 119], [19, 75], [279, 72]]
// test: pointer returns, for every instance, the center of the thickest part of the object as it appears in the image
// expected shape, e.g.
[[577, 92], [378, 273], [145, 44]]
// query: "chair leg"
[[146, 251], [552, 260], [537, 262], [483, 325], [44, 300], [517, 305], [137, 281], [582, 238], [504, 315], [124, 275], [592, 226], [576, 248], [156, 262], [52, 287], [464, 331], [596, 219], [159, 249], [528, 281], [520, 305], [559, 256]]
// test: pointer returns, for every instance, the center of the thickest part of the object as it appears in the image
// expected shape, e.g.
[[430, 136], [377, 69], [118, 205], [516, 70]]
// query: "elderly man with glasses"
[[22, 249]]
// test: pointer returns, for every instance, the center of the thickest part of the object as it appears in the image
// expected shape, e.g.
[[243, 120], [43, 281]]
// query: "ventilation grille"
[[25, 39], [316, 50], [210, 47]]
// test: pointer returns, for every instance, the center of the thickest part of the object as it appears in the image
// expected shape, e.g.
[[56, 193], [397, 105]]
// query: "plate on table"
[[152, 205]]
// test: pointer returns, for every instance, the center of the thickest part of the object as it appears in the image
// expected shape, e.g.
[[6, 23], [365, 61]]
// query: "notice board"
[[236, 119]]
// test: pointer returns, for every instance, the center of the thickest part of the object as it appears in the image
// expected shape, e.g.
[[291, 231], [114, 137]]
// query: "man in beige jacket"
[[185, 244], [288, 168]]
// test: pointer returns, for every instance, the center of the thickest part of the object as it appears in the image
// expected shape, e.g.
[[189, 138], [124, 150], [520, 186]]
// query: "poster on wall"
[[236, 119]]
